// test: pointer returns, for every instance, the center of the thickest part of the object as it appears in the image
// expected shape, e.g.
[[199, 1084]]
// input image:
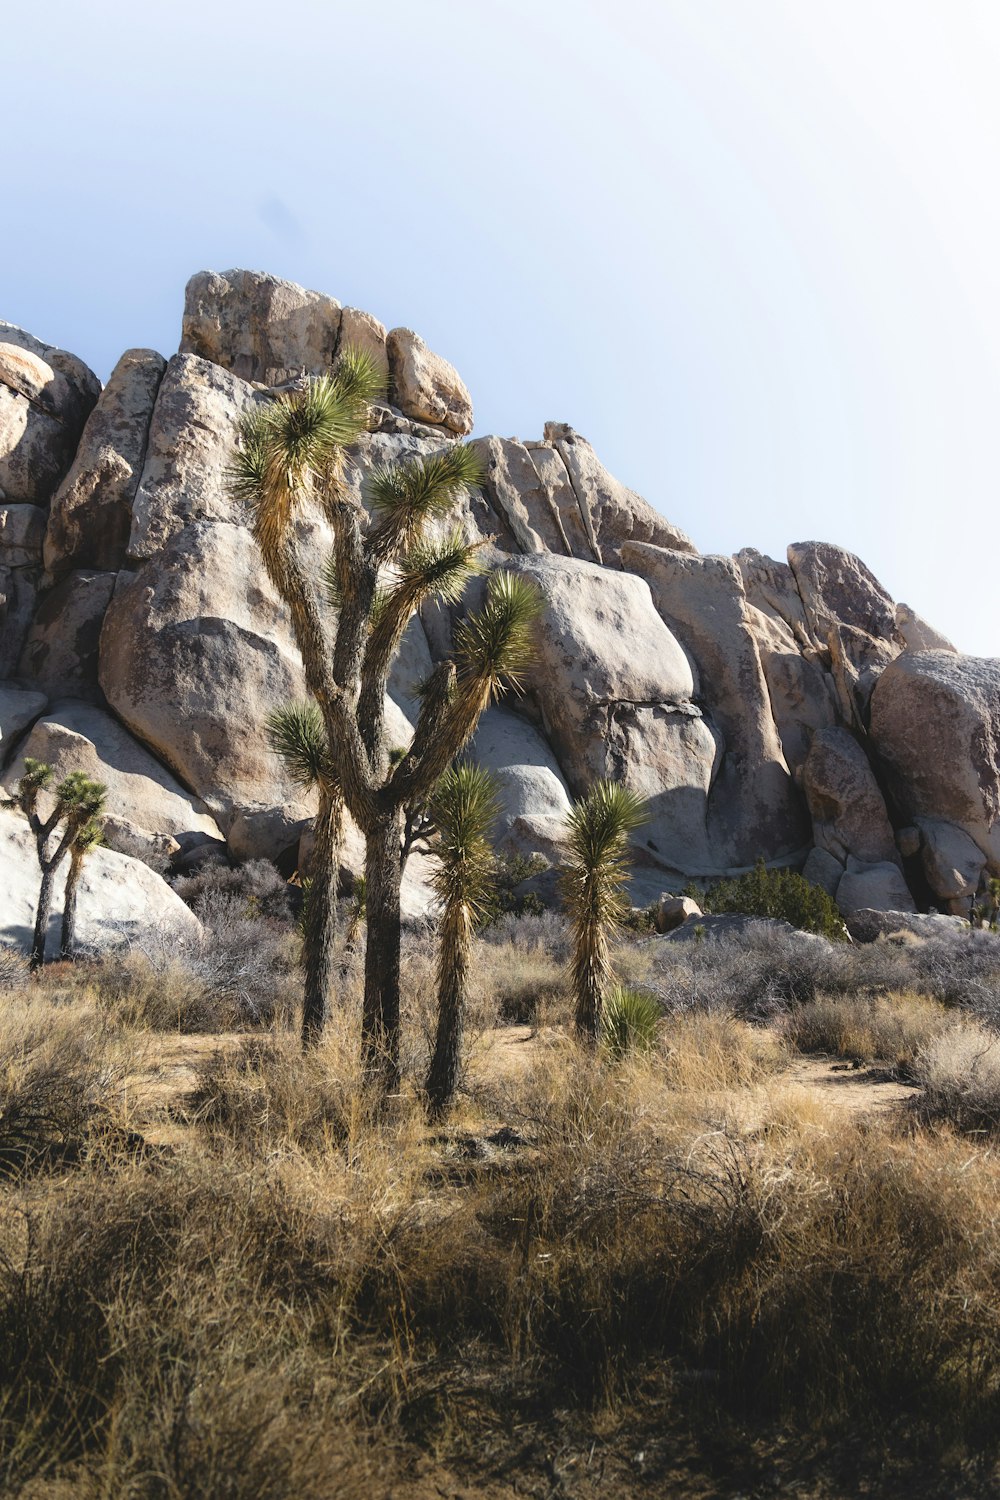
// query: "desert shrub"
[[14, 970], [709, 1052], [267, 1092], [506, 898], [755, 974], [781, 894], [242, 973], [629, 1019], [59, 1078], [542, 930], [254, 889], [891, 1029], [959, 1069]]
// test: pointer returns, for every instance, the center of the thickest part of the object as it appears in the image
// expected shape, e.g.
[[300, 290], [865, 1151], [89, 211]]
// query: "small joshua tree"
[[593, 889], [348, 627], [88, 836], [77, 801], [463, 811]]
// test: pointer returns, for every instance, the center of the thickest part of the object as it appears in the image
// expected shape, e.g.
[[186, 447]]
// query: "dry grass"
[[309, 1296], [960, 1072], [889, 1029]]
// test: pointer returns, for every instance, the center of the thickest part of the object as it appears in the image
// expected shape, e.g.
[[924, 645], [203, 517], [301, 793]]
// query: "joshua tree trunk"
[[42, 915], [76, 857], [591, 974], [321, 921], [380, 1022], [453, 966]]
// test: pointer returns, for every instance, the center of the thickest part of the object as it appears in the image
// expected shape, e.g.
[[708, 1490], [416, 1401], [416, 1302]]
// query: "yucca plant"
[[463, 810], [87, 837], [348, 625], [594, 890], [78, 800], [629, 1019]]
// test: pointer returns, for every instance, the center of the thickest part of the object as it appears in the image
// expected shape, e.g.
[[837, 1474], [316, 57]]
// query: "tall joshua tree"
[[593, 888], [379, 575], [77, 800], [87, 837], [463, 810]]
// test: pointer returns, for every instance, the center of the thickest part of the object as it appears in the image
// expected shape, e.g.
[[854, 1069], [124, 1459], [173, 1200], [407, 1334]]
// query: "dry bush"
[[960, 1072], [254, 889], [709, 1052], [61, 1075], [890, 1029], [14, 971], [241, 974], [268, 1093]]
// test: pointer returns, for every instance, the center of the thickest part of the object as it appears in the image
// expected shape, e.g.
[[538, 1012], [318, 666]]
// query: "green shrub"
[[504, 898], [781, 894], [629, 1019]]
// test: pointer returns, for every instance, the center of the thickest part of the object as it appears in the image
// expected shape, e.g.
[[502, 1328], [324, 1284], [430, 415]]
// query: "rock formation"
[[790, 711]]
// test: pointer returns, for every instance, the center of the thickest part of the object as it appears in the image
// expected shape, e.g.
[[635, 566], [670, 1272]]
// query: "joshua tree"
[[463, 810], [85, 839], [77, 801], [593, 887], [379, 575]]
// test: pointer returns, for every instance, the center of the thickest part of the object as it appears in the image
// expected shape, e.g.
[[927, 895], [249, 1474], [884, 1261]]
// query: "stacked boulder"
[[790, 711]]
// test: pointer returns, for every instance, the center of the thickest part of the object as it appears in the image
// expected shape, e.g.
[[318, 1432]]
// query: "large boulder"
[[119, 899], [916, 634], [61, 650], [46, 395], [616, 693], [258, 326], [875, 887], [144, 800], [425, 386], [19, 708], [192, 435], [612, 513], [848, 810], [953, 862], [91, 512], [754, 803], [196, 652], [22, 534], [935, 725], [534, 799]]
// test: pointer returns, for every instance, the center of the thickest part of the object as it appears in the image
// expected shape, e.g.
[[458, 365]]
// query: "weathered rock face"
[[45, 397], [192, 434], [119, 899], [425, 386], [754, 803], [848, 810], [876, 887], [258, 326], [19, 708], [616, 694], [195, 652], [534, 798], [91, 512], [61, 650], [144, 800], [722, 690], [935, 726]]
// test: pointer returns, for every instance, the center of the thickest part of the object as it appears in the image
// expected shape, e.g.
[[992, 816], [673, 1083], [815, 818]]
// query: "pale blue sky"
[[750, 248]]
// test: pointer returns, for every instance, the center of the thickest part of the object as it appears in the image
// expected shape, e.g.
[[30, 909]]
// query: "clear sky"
[[750, 248]]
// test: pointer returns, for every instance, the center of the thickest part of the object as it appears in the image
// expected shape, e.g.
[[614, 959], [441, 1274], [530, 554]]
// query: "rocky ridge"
[[786, 710]]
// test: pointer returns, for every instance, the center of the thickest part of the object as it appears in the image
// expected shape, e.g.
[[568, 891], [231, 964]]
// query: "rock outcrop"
[[790, 711]]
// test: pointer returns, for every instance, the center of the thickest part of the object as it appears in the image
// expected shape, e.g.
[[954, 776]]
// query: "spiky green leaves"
[[404, 497], [495, 646], [297, 734], [463, 810], [593, 889], [292, 445], [599, 826]]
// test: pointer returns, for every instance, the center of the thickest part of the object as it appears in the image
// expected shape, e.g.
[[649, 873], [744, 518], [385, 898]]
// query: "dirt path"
[[856, 1091]]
